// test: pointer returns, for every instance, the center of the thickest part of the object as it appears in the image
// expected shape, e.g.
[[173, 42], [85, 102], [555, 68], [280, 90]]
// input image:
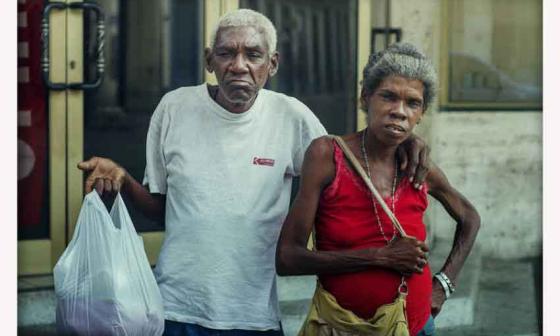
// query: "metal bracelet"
[[448, 281], [443, 284]]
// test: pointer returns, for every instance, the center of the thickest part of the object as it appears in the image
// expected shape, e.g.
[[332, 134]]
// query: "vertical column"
[[75, 115], [364, 49], [57, 133], [213, 10]]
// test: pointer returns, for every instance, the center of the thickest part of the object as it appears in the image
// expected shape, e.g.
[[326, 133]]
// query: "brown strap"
[[362, 173]]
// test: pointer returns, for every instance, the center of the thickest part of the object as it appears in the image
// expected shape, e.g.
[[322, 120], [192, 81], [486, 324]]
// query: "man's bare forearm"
[[151, 205]]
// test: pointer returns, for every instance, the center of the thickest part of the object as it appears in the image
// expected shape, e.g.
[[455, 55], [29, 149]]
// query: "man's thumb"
[[85, 165]]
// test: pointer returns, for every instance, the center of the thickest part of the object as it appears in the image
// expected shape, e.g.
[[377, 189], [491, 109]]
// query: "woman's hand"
[[104, 175], [438, 297], [405, 255]]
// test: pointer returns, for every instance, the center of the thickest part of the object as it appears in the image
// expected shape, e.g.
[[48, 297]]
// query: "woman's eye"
[[414, 104], [387, 97]]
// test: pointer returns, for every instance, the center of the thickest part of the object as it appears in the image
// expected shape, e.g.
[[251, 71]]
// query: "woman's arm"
[[468, 223], [404, 255]]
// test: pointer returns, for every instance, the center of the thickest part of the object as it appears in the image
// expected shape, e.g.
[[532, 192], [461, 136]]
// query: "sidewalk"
[[508, 302], [495, 297]]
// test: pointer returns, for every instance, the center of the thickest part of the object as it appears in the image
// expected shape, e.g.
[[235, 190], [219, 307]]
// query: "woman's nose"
[[398, 110]]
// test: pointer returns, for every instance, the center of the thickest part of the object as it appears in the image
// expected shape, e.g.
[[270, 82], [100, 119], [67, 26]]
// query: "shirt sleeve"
[[311, 129], [155, 174]]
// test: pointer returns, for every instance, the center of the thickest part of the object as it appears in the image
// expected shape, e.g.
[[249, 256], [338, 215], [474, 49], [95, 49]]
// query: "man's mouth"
[[238, 82]]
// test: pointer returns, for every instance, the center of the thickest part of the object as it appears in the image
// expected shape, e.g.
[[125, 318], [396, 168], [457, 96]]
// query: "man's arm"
[[107, 176], [405, 255], [468, 223], [414, 156]]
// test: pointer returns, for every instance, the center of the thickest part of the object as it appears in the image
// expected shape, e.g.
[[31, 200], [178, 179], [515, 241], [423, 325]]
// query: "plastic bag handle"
[[119, 208]]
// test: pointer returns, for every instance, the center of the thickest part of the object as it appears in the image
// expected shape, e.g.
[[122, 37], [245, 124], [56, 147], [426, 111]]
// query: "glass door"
[[150, 48], [107, 64], [317, 42]]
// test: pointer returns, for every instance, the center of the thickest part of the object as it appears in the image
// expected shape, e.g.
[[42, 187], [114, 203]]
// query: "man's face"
[[242, 64]]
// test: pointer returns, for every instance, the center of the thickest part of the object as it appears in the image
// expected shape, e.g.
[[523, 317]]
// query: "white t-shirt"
[[228, 179]]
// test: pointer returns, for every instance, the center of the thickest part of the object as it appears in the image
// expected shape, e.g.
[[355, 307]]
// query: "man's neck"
[[229, 106]]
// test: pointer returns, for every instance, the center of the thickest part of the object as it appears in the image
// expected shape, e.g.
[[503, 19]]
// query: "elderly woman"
[[359, 257]]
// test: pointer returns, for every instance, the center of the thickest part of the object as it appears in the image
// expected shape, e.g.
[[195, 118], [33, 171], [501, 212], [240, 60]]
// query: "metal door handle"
[[100, 41]]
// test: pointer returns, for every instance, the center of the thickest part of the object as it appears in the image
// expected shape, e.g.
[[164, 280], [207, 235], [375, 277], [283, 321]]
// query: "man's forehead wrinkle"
[[252, 38], [229, 44]]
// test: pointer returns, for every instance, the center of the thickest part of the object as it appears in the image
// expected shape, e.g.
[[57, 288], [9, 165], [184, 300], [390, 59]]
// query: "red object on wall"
[[32, 122]]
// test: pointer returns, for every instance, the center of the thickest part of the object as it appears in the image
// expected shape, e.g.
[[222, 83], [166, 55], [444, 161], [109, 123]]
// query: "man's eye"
[[254, 55], [222, 53]]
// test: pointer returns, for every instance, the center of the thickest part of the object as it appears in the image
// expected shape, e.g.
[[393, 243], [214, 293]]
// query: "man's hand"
[[414, 157], [104, 175], [438, 297], [405, 255]]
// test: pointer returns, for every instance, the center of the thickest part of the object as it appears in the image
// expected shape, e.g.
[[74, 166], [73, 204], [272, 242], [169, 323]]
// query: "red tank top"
[[346, 221]]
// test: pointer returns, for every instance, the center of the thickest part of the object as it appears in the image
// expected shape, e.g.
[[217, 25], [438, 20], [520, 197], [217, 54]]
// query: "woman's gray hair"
[[400, 59], [247, 17]]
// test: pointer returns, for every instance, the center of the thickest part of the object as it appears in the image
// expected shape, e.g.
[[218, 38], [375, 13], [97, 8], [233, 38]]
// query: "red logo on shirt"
[[263, 161]]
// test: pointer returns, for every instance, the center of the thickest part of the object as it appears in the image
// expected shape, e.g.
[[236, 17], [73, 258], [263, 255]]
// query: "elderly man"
[[219, 167]]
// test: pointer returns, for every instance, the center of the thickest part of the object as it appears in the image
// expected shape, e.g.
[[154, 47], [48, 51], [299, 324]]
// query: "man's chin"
[[241, 99]]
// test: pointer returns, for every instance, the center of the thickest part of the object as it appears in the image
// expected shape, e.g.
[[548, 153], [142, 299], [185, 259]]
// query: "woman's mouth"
[[394, 128]]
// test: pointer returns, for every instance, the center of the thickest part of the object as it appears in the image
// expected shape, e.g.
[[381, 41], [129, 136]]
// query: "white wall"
[[493, 158]]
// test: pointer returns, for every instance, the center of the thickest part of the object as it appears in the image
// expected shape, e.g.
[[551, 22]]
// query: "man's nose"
[[239, 64]]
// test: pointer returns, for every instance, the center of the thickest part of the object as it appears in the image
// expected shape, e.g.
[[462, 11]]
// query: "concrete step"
[[36, 308], [507, 302], [36, 313]]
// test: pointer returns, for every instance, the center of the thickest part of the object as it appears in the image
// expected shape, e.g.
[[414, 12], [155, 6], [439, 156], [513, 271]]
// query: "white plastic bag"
[[103, 281]]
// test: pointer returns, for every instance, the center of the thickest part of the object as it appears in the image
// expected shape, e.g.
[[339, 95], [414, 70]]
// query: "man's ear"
[[208, 59], [273, 64]]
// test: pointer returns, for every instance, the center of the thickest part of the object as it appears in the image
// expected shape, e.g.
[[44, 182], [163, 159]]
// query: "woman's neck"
[[378, 151]]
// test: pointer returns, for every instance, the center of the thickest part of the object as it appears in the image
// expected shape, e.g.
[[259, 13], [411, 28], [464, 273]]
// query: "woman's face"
[[394, 108]]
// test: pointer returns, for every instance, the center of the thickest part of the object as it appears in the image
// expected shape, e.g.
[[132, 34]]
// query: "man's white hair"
[[247, 17]]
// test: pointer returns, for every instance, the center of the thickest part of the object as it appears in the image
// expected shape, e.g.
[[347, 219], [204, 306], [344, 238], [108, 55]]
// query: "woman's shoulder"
[[321, 147]]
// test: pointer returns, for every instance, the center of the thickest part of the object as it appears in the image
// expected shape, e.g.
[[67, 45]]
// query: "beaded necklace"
[[364, 154]]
